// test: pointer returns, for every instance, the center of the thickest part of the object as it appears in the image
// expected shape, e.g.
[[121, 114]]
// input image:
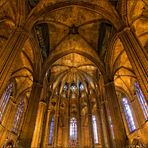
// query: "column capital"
[[90, 114], [37, 83], [103, 102], [98, 108], [1, 126], [22, 30], [123, 30], [109, 83], [43, 103], [12, 101], [49, 110]]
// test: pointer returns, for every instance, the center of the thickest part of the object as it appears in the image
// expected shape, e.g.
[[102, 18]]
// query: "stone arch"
[[110, 15]]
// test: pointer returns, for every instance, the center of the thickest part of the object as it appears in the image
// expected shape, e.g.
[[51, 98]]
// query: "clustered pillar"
[[37, 135], [8, 55], [137, 56], [31, 115], [114, 118]]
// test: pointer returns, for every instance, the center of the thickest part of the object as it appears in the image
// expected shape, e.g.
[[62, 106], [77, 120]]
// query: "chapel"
[[73, 73]]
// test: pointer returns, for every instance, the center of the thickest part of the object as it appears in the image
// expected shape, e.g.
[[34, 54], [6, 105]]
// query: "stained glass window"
[[73, 87], [81, 86], [142, 100], [65, 87], [51, 131], [73, 129], [5, 98], [95, 131], [128, 115], [18, 116]]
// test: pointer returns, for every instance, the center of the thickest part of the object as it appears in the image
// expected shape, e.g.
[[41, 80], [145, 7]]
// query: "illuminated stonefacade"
[[73, 73]]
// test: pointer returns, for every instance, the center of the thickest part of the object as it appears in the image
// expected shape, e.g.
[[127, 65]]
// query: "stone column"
[[117, 132], [46, 135], [105, 127], [82, 131], [9, 53], [7, 120], [91, 130], [30, 116], [99, 127], [138, 57], [55, 135], [59, 136], [65, 137], [65, 132], [56, 122], [103, 114], [68, 123], [79, 123], [45, 124], [37, 135], [79, 132], [90, 122]]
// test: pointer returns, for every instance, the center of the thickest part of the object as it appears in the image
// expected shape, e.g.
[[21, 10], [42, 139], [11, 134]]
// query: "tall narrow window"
[[142, 100], [73, 130], [18, 116], [128, 114], [95, 131], [51, 130], [5, 98]]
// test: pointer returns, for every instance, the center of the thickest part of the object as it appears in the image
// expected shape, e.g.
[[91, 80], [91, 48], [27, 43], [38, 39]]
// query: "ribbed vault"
[[66, 72]]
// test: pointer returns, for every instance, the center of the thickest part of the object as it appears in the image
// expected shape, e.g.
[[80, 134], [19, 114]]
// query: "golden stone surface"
[[79, 51]]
